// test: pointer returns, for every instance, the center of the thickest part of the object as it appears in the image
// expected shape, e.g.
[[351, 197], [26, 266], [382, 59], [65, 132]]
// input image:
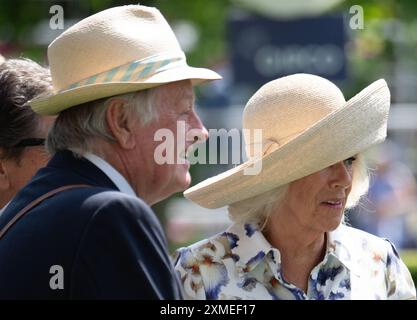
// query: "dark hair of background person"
[[20, 81]]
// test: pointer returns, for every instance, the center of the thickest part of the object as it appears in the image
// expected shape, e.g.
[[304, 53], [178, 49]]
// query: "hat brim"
[[53, 104], [351, 129]]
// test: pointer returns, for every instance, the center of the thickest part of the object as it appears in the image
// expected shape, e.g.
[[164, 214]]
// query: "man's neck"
[[131, 169], [112, 173]]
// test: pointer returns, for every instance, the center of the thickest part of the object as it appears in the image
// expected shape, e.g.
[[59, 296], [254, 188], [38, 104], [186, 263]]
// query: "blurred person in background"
[[22, 131], [119, 76], [390, 209], [288, 240]]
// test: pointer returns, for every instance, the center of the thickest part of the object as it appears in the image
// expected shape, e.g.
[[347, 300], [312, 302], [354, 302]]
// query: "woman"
[[288, 239]]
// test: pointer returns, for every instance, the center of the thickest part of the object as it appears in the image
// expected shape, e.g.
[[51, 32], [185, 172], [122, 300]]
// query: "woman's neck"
[[289, 236], [301, 248]]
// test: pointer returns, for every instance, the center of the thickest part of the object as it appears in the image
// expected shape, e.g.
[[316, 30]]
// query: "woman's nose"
[[341, 176]]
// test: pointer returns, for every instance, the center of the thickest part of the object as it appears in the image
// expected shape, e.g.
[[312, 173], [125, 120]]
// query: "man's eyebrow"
[[190, 94], [189, 97]]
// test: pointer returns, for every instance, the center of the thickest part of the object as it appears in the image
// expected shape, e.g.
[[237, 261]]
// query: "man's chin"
[[187, 181], [183, 182]]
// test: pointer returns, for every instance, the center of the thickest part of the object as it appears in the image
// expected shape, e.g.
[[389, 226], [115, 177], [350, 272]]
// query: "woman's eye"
[[349, 162]]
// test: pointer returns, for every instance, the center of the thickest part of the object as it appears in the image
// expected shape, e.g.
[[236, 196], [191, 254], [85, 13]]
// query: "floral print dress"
[[240, 264]]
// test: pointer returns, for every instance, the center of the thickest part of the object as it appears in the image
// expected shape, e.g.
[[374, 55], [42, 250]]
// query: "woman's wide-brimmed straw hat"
[[307, 125], [119, 50]]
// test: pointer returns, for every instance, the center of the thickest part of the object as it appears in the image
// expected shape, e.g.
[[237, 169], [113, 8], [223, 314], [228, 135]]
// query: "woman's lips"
[[335, 204]]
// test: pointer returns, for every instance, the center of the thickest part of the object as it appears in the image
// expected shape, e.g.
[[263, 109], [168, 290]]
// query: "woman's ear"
[[121, 124]]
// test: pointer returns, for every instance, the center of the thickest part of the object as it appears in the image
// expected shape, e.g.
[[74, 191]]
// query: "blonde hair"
[[258, 209]]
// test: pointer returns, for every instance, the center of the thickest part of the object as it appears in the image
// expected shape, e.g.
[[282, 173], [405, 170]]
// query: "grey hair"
[[259, 208], [77, 128]]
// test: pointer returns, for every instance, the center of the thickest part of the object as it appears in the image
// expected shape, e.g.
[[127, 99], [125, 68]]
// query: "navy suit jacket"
[[110, 245]]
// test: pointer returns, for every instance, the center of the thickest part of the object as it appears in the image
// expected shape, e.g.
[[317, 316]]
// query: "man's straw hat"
[[116, 51]]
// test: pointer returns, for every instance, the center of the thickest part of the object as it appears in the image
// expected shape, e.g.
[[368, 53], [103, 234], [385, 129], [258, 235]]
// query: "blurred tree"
[[386, 47], [18, 19]]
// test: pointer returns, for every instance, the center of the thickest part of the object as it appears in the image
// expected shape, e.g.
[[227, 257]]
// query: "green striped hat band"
[[133, 71]]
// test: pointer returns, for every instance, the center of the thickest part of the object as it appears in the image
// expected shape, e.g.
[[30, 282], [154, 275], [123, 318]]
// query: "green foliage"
[[210, 19], [19, 17], [387, 40], [372, 54], [410, 259]]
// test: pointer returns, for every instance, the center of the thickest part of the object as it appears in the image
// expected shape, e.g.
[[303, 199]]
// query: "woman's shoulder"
[[359, 237], [376, 258], [362, 244], [203, 266], [217, 247]]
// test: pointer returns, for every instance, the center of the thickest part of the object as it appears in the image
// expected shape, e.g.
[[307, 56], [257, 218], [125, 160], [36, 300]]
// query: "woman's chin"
[[333, 224]]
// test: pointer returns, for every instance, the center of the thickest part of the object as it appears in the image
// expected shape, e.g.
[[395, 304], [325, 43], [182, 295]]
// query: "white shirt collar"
[[120, 181]]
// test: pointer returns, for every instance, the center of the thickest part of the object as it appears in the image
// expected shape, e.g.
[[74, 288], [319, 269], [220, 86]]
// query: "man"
[[83, 228], [22, 132]]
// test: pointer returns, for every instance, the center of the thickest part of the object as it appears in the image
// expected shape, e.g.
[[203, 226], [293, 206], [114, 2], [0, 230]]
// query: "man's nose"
[[199, 131], [341, 176], [204, 135]]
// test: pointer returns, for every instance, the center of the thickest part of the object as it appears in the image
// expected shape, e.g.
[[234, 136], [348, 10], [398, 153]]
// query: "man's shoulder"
[[116, 205], [94, 196], [100, 203]]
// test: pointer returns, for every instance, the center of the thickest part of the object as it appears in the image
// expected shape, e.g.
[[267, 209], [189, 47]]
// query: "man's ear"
[[4, 176], [120, 124]]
